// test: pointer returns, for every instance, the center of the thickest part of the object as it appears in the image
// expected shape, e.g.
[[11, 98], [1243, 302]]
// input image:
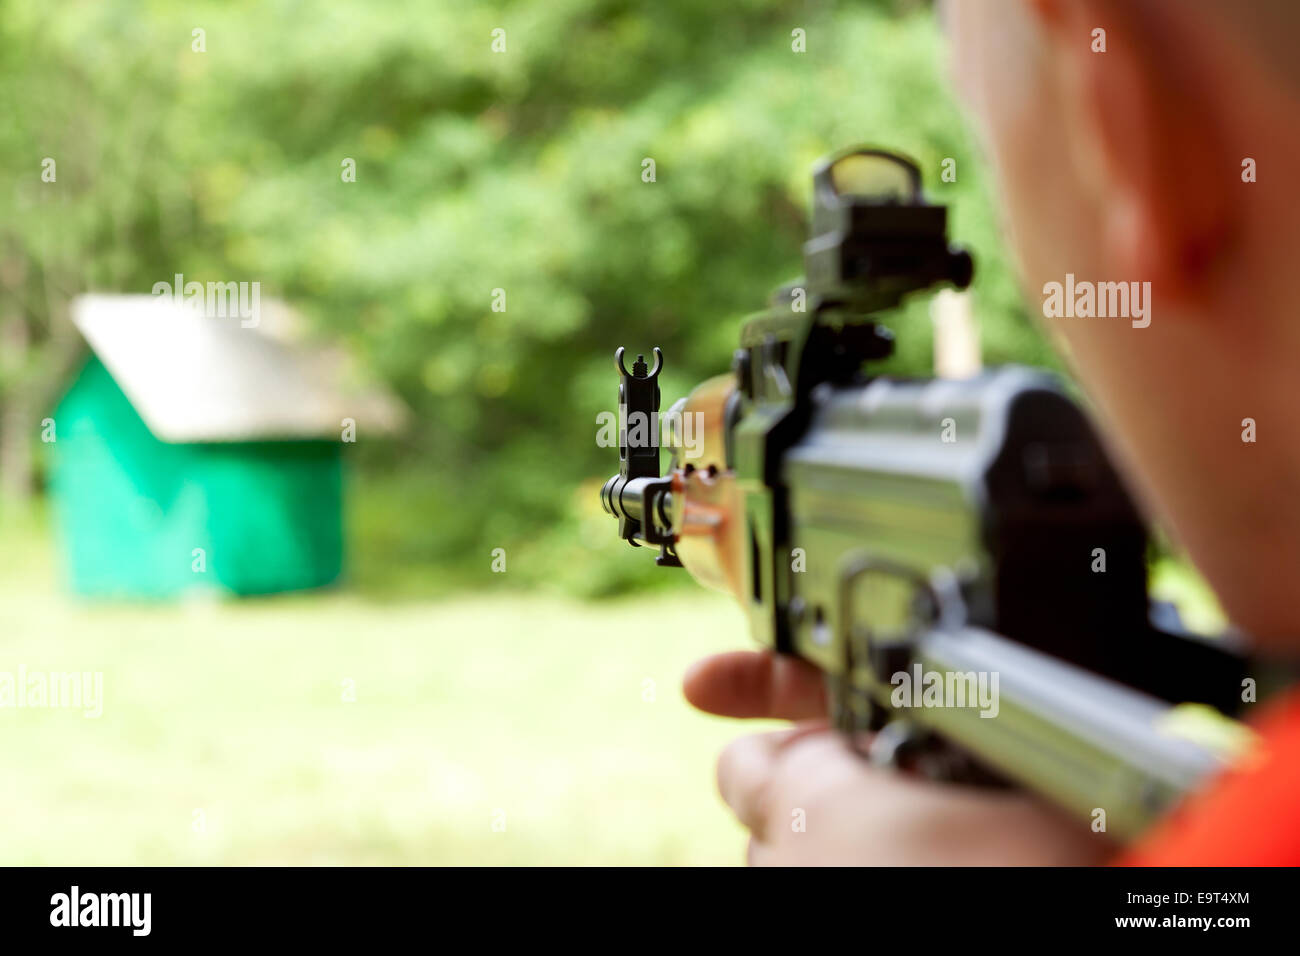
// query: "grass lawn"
[[225, 737]]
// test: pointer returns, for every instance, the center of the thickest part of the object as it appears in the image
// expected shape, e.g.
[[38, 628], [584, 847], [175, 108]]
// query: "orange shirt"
[[1248, 816]]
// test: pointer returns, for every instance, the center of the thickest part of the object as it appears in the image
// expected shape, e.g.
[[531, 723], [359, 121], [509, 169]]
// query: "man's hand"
[[808, 799]]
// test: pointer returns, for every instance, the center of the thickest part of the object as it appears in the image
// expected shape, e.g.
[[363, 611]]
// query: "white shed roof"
[[196, 378]]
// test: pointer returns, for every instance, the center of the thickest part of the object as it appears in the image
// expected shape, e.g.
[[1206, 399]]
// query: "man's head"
[[1123, 156]]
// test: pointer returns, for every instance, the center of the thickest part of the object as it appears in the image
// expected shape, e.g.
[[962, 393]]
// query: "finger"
[[746, 769], [758, 853], [756, 684]]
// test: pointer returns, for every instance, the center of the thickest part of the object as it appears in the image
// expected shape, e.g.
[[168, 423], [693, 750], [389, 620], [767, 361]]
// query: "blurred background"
[[426, 708]]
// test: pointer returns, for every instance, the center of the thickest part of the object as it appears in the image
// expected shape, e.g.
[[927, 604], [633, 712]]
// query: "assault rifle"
[[888, 530]]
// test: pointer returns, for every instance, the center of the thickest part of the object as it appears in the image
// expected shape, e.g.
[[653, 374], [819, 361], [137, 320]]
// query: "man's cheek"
[[965, 58]]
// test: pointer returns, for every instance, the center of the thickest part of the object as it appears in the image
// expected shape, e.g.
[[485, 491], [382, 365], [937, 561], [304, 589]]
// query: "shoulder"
[[1248, 816]]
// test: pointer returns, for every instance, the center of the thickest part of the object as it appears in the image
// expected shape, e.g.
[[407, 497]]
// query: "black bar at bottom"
[[980, 908]]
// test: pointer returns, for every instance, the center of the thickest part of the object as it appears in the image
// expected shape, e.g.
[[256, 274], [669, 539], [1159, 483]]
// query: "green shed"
[[192, 453]]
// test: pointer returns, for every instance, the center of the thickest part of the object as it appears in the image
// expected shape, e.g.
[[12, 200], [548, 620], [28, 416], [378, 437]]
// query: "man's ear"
[[1145, 131]]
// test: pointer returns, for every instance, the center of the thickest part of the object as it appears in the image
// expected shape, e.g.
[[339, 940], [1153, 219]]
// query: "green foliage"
[[477, 171]]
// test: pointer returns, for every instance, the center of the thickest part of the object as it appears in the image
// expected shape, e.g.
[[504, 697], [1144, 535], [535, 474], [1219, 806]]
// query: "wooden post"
[[956, 337]]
